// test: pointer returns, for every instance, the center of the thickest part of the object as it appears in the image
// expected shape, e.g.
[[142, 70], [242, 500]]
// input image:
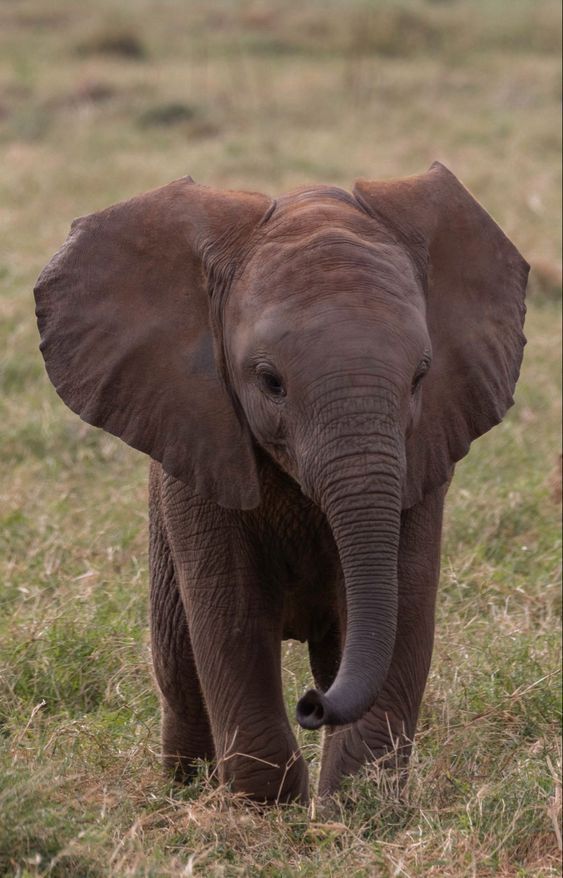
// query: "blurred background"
[[102, 100]]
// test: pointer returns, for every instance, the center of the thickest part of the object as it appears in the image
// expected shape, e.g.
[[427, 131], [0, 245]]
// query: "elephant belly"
[[310, 607], [305, 563], [309, 626]]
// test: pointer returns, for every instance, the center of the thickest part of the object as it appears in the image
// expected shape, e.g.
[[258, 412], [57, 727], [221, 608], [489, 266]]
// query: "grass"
[[99, 103]]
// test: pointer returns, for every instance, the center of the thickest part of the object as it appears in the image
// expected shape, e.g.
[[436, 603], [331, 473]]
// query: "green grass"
[[100, 102]]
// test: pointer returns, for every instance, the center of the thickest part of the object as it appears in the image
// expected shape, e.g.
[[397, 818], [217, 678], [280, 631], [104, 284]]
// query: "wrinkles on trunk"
[[357, 483]]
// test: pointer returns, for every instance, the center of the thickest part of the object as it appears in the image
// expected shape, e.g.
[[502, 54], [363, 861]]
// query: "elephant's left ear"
[[476, 281]]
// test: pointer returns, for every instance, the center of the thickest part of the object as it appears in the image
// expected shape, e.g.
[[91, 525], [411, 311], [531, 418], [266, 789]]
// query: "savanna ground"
[[100, 101]]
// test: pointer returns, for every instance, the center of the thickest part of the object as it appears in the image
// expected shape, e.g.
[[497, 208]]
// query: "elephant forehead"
[[327, 261], [338, 288]]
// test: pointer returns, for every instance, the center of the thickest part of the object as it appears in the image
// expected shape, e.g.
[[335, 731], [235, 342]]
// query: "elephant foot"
[[369, 745], [267, 782], [184, 746]]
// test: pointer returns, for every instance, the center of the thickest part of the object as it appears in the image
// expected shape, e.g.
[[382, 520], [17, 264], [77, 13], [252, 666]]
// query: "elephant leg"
[[235, 624], [388, 728], [185, 729]]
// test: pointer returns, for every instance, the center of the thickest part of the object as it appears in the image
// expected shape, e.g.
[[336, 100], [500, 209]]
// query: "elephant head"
[[361, 340]]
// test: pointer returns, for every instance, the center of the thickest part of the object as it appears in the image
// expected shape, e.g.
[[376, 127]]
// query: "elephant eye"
[[270, 382], [421, 371]]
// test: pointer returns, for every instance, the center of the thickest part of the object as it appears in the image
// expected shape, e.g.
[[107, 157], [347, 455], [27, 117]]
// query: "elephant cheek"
[[415, 413]]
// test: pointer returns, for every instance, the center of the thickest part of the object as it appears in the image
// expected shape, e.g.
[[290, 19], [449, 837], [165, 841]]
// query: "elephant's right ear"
[[476, 282], [124, 316]]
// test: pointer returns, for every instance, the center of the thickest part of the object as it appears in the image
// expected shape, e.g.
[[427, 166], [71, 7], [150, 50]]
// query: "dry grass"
[[101, 102]]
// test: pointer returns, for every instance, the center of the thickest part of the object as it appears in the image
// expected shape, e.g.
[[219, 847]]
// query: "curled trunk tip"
[[312, 710]]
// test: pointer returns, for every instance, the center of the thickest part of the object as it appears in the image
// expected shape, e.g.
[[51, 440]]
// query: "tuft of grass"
[[269, 96], [118, 42], [173, 113]]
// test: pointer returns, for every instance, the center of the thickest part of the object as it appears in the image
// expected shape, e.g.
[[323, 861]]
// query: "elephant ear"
[[124, 316], [475, 281]]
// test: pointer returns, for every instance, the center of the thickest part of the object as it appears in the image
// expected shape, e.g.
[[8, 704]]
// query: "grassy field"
[[101, 101]]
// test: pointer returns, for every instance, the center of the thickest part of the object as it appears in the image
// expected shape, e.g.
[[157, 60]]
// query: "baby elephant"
[[304, 372]]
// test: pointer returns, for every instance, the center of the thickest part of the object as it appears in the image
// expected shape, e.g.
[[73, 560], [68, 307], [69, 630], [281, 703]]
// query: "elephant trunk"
[[361, 499]]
